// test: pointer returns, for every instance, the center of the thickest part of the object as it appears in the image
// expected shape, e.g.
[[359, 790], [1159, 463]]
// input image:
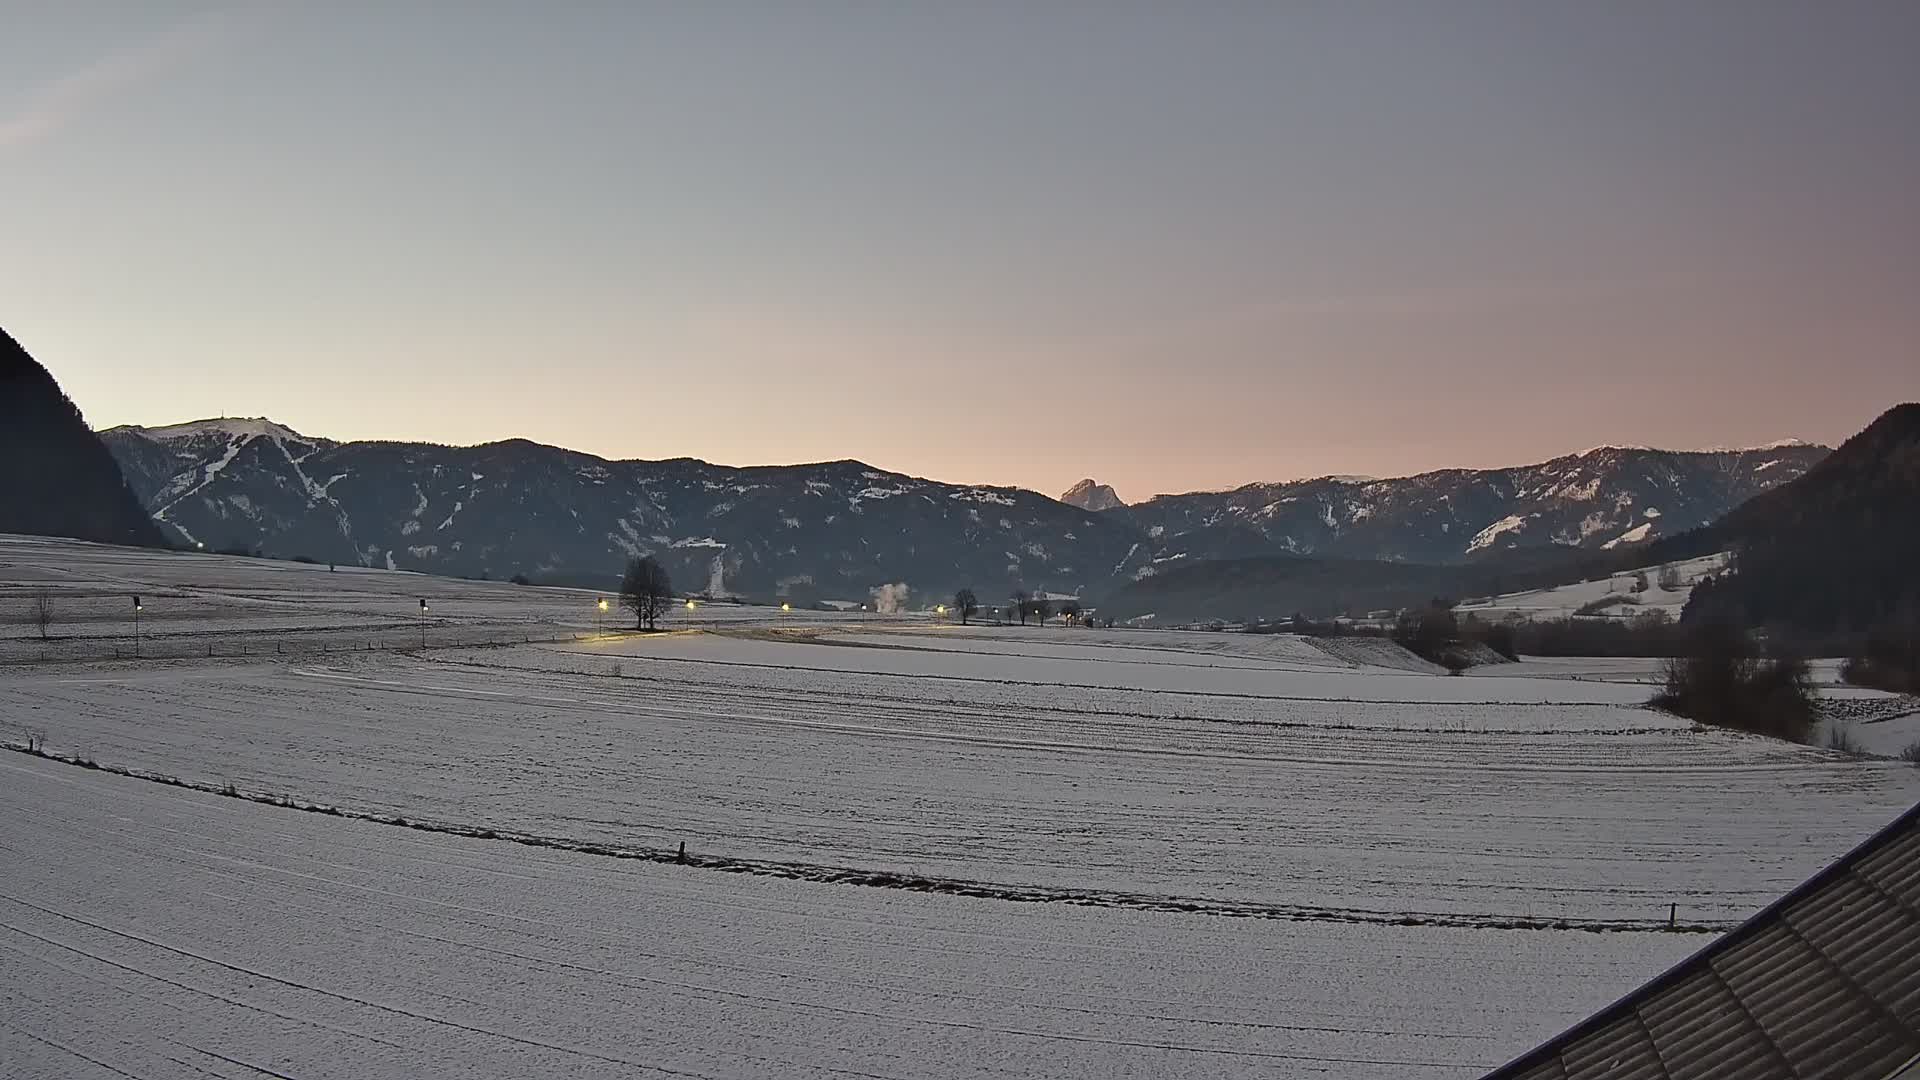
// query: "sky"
[[1169, 246]]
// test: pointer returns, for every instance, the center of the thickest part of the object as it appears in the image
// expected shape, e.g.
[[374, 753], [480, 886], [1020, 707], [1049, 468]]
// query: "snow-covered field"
[[152, 932], [1139, 852], [200, 605], [1564, 601]]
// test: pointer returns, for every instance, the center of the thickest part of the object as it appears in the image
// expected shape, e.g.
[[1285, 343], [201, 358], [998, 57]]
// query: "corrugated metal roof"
[[1823, 983]]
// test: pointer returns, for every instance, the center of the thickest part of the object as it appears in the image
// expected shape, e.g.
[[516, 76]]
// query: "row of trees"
[[1724, 679], [1021, 605], [647, 591]]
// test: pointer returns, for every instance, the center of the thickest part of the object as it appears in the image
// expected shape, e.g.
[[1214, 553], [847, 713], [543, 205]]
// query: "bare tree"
[[646, 591], [1042, 609], [1669, 578], [1021, 604], [966, 604], [1640, 581], [41, 613], [1070, 611]]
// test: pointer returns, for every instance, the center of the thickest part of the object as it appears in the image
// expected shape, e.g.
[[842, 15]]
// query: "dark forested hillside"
[[1277, 586], [56, 477], [1835, 551]]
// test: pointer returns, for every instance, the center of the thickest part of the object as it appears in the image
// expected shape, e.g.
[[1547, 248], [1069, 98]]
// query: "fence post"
[[1673, 912]]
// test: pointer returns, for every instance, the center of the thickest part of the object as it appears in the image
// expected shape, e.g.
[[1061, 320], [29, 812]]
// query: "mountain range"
[[837, 530], [834, 530], [1606, 497], [1824, 556]]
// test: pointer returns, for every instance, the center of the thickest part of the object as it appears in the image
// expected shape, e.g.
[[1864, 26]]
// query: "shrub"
[[40, 614], [1501, 638], [520, 579], [1601, 604], [1840, 738], [1911, 755], [1721, 681], [1889, 660], [1426, 631]]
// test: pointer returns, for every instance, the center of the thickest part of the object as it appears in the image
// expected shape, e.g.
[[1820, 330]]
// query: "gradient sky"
[[1172, 246]]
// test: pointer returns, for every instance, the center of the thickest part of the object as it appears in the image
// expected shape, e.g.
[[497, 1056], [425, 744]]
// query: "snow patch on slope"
[[1486, 537]]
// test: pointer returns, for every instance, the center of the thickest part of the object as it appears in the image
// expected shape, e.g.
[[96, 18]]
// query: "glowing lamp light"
[[786, 607], [689, 605], [603, 605]]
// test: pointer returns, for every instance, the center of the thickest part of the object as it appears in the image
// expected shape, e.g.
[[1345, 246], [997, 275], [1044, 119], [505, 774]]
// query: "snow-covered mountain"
[[1603, 498], [1088, 495], [838, 529], [826, 531]]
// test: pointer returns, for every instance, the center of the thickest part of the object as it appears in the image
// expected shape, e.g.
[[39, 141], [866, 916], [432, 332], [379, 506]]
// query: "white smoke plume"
[[891, 599]]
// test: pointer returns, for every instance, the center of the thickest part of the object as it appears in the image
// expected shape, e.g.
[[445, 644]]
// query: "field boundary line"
[[888, 879]]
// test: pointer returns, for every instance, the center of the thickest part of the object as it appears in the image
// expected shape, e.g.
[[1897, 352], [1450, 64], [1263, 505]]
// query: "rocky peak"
[[1088, 495]]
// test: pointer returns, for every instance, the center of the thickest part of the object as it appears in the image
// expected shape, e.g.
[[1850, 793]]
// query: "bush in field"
[[1500, 637], [1600, 605], [1911, 755], [1427, 631], [40, 615], [1840, 738], [1723, 682], [1669, 578], [1889, 660]]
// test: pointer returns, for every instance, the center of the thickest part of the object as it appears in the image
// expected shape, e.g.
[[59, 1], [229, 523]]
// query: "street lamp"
[[423, 625], [599, 620], [137, 609]]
